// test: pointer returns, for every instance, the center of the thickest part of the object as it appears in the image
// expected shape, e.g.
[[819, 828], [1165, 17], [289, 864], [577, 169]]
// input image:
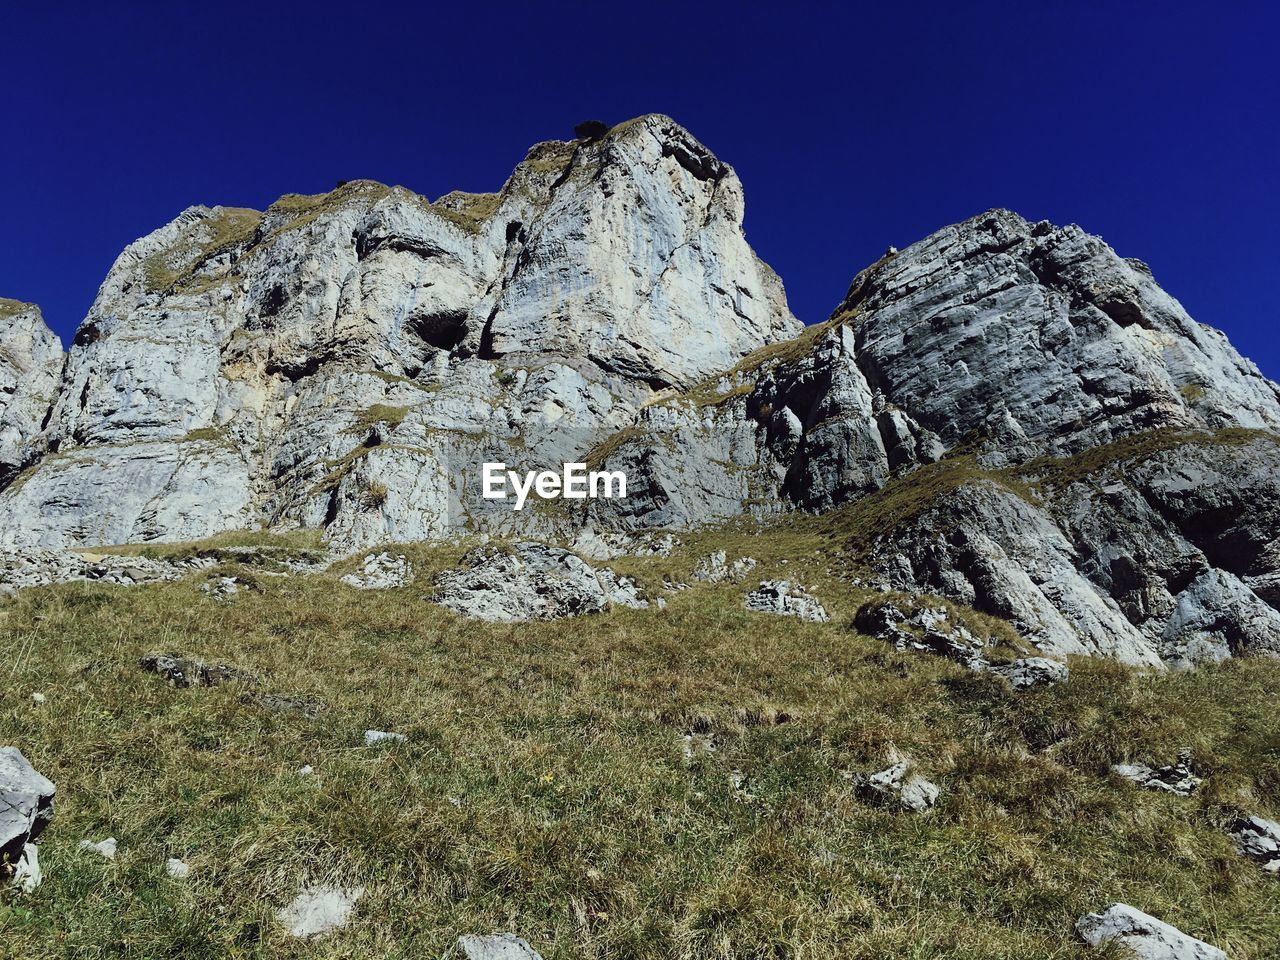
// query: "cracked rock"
[[381, 571]]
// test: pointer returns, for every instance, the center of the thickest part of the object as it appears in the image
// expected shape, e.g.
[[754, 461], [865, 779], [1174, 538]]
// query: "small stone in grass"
[[374, 737], [106, 849], [498, 946], [177, 869], [317, 911]]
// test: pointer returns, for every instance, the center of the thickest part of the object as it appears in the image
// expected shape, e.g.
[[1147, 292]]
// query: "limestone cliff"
[[323, 363], [1007, 413]]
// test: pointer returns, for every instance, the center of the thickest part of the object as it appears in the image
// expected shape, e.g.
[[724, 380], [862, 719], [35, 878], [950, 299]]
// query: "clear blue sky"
[[1156, 125]]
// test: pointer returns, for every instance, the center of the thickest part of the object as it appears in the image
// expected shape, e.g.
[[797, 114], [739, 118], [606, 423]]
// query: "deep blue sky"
[[851, 126]]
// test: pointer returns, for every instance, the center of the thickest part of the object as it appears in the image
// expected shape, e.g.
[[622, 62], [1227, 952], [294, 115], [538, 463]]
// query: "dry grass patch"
[[544, 787]]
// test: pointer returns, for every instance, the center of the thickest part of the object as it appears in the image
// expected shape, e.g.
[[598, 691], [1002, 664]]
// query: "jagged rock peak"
[[1030, 336]]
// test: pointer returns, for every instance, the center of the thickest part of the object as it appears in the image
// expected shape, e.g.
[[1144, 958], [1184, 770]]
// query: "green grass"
[[1052, 472], [378, 413], [11, 308], [228, 228], [577, 822]]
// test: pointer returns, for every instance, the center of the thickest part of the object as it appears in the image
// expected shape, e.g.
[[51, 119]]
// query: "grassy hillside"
[[544, 788]]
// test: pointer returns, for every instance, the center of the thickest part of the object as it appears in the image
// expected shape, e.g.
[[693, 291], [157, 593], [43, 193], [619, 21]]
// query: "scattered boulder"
[[106, 849], [183, 671], [1177, 778], [222, 588], [374, 737], [897, 786], [381, 571], [1145, 937], [26, 809], [715, 568], [320, 910], [497, 946], [531, 582], [930, 629], [1258, 839], [783, 598], [177, 869], [1030, 672]]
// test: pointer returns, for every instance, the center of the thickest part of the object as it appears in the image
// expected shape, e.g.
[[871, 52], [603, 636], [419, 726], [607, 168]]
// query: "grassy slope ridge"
[[544, 790]]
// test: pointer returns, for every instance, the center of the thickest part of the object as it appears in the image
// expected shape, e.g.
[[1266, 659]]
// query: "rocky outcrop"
[[1176, 778], [927, 629], [381, 571], [1153, 550], [1026, 673], [531, 582], [1142, 935], [785, 599]]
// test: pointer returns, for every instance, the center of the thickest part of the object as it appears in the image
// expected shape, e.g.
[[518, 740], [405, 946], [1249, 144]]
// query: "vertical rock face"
[[30, 361], [338, 359]]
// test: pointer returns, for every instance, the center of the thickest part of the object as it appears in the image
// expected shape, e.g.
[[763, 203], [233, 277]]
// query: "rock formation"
[[1142, 935], [1007, 414], [26, 809], [336, 360]]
